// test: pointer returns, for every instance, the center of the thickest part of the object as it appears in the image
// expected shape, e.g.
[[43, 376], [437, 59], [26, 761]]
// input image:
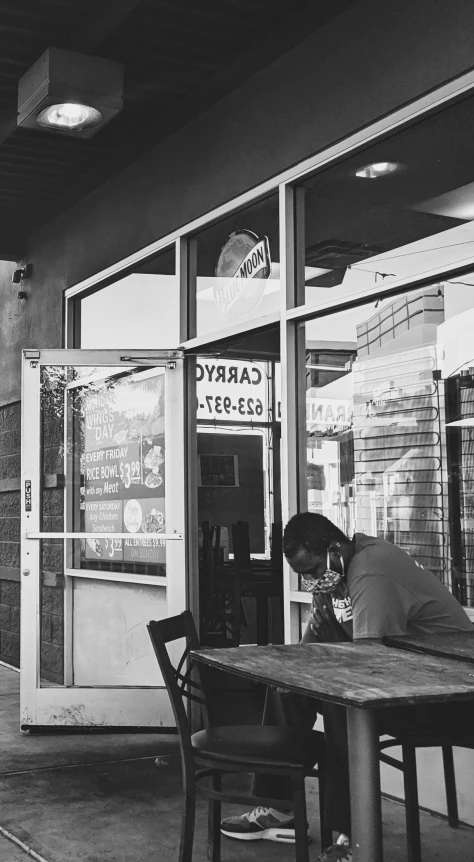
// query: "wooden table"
[[365, 678], [458, 645]]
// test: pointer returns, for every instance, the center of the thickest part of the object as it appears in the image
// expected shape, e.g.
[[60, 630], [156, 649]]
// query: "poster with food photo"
[[124, 463], [144, 516]]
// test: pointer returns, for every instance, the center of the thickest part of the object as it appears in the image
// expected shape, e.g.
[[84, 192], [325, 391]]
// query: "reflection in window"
[[367, 229], [140, 310], [238, 267], [106, 431], [390, 422]]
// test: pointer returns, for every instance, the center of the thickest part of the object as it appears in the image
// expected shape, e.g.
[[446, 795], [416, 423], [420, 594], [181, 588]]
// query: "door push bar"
[[169, 537]]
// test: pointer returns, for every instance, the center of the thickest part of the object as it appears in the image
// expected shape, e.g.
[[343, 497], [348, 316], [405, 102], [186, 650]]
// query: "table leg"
[[364, 774]]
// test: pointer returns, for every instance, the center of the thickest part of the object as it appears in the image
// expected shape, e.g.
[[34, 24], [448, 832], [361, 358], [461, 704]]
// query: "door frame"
[[66, 705]]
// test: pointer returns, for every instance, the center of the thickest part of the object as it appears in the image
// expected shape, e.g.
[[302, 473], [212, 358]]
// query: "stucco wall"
[[11, 334]]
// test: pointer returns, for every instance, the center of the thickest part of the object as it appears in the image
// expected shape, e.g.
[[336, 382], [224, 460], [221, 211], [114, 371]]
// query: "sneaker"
[[336, 853], [261, 823]]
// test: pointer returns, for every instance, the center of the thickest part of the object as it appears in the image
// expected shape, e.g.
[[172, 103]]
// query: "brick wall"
[[52, 634], [10, 622], [52, 624], [52, 563], [52, 627], [10, 533]]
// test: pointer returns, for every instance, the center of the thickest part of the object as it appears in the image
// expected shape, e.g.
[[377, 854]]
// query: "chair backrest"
[[207, 555], [208, 571], [241, 544], [183, 681], [211, 543], [276, 551], [216, 542]]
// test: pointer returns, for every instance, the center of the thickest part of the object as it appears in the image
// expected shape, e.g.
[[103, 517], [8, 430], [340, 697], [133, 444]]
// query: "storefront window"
[[395, 210], [238, 489], [234, 442], [237, 263], [139, 310], [390, 425]]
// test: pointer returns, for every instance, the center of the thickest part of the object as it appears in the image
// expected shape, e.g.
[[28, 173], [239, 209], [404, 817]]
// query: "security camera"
[[20, 273], [17, 276]]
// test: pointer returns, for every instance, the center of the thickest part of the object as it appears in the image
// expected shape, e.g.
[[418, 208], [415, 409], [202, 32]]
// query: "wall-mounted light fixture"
[[70, 93]]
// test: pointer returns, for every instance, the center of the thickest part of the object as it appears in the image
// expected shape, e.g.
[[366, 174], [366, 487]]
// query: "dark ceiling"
[[179, 57]]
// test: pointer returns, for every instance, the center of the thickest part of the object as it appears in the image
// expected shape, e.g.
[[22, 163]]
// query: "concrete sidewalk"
[[100, 798]]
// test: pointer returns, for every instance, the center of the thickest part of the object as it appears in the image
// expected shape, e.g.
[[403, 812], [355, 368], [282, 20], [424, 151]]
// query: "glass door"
[[103, 503]]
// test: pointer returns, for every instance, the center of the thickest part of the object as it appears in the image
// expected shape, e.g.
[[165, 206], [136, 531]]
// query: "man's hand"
[[324, 626]]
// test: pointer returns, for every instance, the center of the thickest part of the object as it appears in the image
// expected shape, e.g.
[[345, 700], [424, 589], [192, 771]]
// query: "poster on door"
[[124, 469]]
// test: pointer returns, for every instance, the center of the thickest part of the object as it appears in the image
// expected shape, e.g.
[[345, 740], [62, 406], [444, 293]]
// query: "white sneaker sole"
[[283, 836]]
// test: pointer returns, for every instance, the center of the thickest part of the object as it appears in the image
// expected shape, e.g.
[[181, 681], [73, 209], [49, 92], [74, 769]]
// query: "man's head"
[[306, 541]]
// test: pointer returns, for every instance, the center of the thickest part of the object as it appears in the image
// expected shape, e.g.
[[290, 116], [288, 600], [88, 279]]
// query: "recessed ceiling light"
[[69, 116], [377, 169]]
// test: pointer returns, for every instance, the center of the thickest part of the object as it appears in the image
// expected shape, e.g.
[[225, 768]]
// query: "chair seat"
[[259, 743]]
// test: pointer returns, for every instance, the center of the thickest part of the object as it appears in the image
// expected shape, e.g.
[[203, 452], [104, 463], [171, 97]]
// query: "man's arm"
[[380, 606]]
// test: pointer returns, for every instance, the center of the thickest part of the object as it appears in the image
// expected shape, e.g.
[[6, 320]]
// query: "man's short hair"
[[310, 532]]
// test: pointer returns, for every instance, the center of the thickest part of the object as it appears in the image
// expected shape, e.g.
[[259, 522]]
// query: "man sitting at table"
[[362, 587]]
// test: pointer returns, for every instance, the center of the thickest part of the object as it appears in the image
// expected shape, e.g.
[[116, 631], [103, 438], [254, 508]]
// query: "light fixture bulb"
[[377, 169], [69, 116]]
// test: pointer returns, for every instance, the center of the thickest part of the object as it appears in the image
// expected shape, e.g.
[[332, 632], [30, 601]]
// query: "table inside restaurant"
[[365, 677], [261, 581], [241, 577]]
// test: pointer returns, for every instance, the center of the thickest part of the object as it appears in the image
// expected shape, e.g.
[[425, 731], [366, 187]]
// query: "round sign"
[[242, 268]]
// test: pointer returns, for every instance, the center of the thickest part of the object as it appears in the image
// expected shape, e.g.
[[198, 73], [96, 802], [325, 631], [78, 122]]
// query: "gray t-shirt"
[[391, 594]]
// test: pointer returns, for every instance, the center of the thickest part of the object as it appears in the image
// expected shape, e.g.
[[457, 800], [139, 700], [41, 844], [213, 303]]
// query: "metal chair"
[[409, 743], [218, 751]]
